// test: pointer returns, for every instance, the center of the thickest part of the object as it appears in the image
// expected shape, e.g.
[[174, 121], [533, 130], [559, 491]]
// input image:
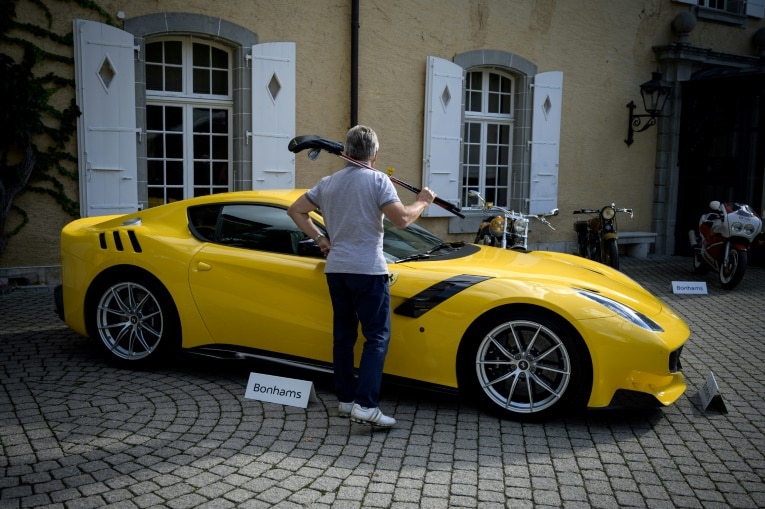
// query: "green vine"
[[35, 135]]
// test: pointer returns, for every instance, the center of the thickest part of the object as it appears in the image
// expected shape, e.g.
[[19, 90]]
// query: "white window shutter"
[[104, 62], [273, 115], [755, 8], [545, 141], [443, 127]]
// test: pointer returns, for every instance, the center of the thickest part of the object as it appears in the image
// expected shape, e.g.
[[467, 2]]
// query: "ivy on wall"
[[35, 135]]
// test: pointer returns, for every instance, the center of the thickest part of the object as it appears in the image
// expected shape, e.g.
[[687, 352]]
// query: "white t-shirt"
[[351, 202]]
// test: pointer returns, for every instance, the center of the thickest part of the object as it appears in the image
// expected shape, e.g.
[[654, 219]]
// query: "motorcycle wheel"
[[611, 254], [732, 269]]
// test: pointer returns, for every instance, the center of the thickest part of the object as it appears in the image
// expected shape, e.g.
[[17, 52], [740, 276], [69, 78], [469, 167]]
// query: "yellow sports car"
[[526, 334]]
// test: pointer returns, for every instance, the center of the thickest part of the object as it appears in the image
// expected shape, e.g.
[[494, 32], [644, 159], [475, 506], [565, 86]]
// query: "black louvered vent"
[[118, 245]]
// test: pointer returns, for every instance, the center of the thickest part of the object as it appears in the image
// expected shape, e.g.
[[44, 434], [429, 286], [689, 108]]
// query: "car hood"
[[548, 268]]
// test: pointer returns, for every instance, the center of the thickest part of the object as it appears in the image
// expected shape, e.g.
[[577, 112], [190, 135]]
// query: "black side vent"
[[134, 241], [431, 297], [118, 241], [674, 361], [102, 240]]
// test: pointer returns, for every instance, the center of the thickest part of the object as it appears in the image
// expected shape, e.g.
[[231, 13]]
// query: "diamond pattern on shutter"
[[106, 72], [274, 86]]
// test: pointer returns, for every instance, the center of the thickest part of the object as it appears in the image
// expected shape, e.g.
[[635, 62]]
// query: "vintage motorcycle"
[[510, 230], [597, 237], [723, 241]]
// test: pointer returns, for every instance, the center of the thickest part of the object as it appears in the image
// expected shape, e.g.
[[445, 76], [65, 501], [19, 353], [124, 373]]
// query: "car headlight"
[[625, 312], [608, 212]]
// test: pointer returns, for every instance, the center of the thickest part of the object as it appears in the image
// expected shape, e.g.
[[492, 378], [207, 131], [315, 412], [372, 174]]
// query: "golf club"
[[315, 144]]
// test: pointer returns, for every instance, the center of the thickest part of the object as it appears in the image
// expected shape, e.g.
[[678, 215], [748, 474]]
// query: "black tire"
[[503, 351], [732, 270], [611, 253], [134, 320]]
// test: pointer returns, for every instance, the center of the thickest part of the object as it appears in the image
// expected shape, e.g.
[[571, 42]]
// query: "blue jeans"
[[365, 299]]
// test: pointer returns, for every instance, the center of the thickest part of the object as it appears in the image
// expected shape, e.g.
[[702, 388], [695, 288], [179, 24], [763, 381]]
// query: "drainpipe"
[[354, 63]]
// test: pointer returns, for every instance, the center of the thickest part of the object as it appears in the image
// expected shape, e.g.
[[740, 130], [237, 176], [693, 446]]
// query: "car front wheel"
[[135, 321], [526, 365]]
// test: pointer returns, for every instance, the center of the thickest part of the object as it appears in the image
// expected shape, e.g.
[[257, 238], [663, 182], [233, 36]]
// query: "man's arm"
[[403, 215], [299, 211]]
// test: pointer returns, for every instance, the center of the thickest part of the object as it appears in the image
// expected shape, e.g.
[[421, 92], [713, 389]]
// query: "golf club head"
[[313, 154], [314, 143]]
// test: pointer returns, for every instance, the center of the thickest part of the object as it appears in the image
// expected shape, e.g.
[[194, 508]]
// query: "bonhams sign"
[[277, 389]]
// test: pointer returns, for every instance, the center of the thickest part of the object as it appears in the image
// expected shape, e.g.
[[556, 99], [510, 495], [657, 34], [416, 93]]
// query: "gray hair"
[[361, 143]]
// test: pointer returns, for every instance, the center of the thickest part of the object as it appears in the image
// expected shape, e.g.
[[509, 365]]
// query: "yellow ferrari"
[[527, 334]]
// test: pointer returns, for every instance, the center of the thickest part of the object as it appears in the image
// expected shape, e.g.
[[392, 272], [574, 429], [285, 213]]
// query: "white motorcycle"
[[723, 241]]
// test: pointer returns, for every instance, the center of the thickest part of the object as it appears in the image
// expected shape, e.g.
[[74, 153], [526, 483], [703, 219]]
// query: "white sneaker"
[[344, 409], [371, 416]]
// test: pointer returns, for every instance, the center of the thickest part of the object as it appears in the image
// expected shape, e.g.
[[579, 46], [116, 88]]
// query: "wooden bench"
[[636, 244]]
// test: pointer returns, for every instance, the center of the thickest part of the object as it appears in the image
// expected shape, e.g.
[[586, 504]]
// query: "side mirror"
[[714, 205]]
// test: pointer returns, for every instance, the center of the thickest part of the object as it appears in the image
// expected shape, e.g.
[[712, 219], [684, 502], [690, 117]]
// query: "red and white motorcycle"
[[725, 235]]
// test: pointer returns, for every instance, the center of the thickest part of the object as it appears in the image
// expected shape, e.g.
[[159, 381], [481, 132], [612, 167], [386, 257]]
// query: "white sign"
[[277, 389], [689, 287], [710, 393]]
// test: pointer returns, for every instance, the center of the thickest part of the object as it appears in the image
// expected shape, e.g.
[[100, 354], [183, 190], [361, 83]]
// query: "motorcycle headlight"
[[749, 229], [520, 225], [497, 226], [623, 311], [608, 212], [736, 227]]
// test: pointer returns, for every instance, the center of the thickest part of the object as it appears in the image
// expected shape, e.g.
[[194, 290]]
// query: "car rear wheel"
[[134, 320], [525, 365]]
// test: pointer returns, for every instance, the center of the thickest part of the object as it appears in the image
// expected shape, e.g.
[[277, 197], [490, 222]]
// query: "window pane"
[[201, 173], [174, 173], [220, 82], [219, 59], [174, 144], [220, 173], [174, 194], [220, 121], [154, 118], [201, 147], [156, 170], [201, 55], [173, 52], [174, 119], [174, 79], [153, 77], [201, 81], [201, 120], [154, 52], [155, 146], [220, 147]]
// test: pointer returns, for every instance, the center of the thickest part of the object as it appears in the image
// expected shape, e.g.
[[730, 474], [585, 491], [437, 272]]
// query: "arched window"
[[188, 118], [487, 141]]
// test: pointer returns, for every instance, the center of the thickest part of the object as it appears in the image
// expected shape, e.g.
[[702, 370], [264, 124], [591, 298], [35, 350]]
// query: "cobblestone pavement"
[[76, 432]]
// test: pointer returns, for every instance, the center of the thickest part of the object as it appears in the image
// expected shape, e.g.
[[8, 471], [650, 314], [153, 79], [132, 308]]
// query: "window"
[[487, 139], [259, 227], [730, 6], [501, 139], [188, 126]]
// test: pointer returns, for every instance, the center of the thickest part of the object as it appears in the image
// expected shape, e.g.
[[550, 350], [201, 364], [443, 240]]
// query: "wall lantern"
[[655, 94]]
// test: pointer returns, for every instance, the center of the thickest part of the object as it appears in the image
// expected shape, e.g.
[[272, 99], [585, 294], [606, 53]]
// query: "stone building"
[[526, 101]]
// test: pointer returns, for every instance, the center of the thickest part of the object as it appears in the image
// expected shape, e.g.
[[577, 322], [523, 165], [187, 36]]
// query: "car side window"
[[260, 227]]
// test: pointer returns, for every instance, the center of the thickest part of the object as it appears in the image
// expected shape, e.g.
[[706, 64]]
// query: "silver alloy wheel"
[[130, 321], [523, 366]]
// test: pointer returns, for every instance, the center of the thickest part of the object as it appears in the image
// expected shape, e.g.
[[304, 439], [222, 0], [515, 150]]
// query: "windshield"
[[401, 243]]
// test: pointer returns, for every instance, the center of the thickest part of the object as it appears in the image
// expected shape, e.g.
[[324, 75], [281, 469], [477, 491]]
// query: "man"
[[352, 202]]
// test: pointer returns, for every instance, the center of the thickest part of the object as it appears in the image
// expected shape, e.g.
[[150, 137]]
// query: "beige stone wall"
[[603, 47]]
